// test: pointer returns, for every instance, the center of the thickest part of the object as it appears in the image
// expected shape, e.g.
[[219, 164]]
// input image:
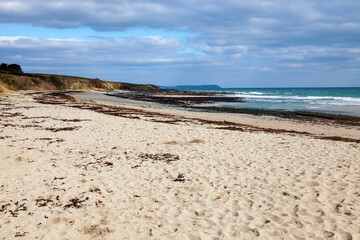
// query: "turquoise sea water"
[[345, 101]]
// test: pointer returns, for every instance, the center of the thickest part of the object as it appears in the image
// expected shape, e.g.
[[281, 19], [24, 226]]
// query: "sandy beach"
[[91, 166]]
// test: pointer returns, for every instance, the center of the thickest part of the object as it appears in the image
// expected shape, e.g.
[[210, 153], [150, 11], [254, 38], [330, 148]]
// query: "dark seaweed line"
[[296, 115], [61, 98]]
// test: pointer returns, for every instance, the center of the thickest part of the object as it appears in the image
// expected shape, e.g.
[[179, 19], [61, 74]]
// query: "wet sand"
[[112, 169]]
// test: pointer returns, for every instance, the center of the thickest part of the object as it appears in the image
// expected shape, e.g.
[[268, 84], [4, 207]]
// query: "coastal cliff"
[[12, 78]]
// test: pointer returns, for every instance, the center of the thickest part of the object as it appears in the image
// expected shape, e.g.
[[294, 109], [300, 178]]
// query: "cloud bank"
[[235, 43]]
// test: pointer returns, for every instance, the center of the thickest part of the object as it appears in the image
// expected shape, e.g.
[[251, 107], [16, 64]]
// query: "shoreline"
[[188, 99], [84, 165], [287, 122]]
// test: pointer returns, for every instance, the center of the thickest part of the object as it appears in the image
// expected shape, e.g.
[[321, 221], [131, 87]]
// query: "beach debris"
[[63, 129], [231, 128], [4, 207], [51, 140], [59, 178], [96, 165], [4, 137], [42, 202], [160, 157], [75, 203], [18, 207], [95, 190], [136, 166], [108, 164], [19, 234], [180, 178], [72, 120], [171, 121], [9, 115], [172, 143], [197, 141], [99, 203], [43, 139]]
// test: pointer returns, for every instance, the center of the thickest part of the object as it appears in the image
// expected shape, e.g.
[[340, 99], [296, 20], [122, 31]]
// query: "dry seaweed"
[[161, 157], [63, 129], [180, 178], [75, 203]]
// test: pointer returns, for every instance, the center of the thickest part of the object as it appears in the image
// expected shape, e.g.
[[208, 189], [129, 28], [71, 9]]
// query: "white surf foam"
[[307, 99]]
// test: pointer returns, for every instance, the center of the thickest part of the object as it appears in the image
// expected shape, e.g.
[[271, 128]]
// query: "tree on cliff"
[[3, 66], [13, 68]]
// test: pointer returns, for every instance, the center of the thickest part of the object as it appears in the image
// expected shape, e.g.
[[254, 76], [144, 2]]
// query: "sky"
[[232, 43]]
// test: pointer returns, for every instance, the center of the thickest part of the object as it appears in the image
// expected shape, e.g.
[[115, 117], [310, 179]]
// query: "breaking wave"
[[261, 97]]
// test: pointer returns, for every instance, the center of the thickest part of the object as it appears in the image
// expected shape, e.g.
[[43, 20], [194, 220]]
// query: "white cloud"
[[296, 65], [354, 50], [14, 7], [222, 49], [48, 53], [265, 69]]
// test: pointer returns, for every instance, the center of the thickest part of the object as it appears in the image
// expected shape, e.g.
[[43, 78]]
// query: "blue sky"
[[233, 43]]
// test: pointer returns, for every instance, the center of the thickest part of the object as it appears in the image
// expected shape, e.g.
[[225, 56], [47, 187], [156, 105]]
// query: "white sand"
[[137, 179]]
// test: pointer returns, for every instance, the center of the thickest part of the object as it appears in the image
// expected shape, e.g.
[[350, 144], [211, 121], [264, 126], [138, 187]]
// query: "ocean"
[[344, 101]]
